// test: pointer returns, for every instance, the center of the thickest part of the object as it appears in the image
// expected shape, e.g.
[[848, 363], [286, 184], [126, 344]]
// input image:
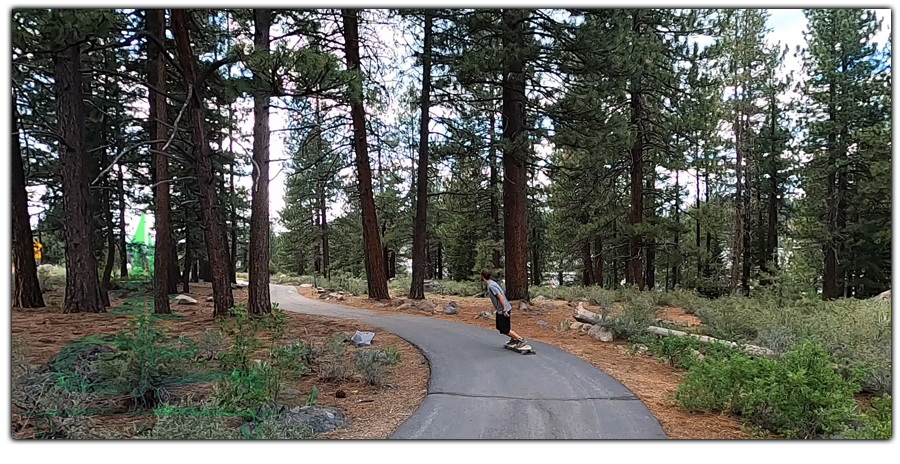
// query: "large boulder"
[[319, 419], [600, 333], [886, 295]]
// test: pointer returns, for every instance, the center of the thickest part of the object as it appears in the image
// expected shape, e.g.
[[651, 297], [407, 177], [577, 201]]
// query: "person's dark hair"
[[486, 274]]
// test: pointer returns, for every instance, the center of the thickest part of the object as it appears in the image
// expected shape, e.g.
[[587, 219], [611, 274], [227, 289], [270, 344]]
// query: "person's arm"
[[502, 300]]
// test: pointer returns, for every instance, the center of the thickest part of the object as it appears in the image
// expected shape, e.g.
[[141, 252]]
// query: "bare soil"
[[654, 383], [374, 412]]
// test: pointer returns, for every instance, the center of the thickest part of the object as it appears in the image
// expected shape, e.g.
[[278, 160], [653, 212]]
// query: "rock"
[[622, 349], [582, 315], [320, 290], [547, 306], [185, 300], [76, 362], [209, 299], [641, 349], [539, 299], [426, 306], [450, 308], [580, 326], [306, 285], [336, 296], [886, 295], [523, 306], [543, 324], [320, 419], [406, 306], [484, 314], [291, 391], [534, 313], [600, 333]]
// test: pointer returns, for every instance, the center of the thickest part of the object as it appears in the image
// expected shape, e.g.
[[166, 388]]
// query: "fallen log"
[[752, 350]]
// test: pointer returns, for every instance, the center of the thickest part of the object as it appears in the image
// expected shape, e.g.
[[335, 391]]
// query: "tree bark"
[[374, 262], [515, 211], [634, 271], [188, 260], [675, 267], [417, 285], [27, 292], [650, 245], [82, 285], [259, 298], [496, 234], [587, 265], [123, 247], [156, 27], [215, 244]]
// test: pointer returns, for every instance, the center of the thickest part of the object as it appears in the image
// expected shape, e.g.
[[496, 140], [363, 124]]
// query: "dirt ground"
[[652, 382], [374, 412]]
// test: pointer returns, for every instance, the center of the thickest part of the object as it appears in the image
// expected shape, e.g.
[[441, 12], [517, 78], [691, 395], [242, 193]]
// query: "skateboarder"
[[502, 307]]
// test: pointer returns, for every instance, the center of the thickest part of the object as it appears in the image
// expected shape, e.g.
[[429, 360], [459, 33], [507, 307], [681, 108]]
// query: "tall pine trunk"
[[375, 276], [496, 234], [260, 300], [515, 153], [634, 272], [156, 27], [417, 286], [217, 252], [123, 247], [82, 285], [27, 292]]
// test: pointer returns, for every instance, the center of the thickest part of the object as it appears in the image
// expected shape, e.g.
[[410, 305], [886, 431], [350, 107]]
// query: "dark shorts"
[[503, 323]]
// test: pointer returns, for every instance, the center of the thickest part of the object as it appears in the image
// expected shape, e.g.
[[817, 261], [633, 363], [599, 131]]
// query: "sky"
[[786, 25]]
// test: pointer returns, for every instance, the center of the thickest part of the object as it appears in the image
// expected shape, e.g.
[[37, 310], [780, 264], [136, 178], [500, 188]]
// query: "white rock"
[[185, 300]]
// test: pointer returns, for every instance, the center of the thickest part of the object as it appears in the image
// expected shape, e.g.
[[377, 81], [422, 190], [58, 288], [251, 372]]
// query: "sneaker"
[[511, 343], [521, 343]]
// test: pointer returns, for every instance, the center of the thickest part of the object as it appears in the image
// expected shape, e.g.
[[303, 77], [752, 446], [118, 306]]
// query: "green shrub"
[[857, 333], [146, 362], [372, 365], [798, 396], [392, 356], [639, 313], [875, 422], [212, 343], [243, 392], [290, 358], [203, 421]]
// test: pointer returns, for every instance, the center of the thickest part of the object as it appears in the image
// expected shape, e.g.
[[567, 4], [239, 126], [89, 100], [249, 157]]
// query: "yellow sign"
[[37, 250]]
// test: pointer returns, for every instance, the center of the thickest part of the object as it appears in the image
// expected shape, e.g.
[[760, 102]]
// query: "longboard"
[[527, 349]]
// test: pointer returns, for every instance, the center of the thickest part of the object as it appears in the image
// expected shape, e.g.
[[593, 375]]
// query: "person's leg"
[[502, 325]]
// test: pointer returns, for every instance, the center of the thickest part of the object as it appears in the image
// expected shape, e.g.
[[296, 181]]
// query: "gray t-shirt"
[[493, 289]]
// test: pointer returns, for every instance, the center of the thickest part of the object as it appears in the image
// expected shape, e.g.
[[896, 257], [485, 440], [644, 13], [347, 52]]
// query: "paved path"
[[478, 389]]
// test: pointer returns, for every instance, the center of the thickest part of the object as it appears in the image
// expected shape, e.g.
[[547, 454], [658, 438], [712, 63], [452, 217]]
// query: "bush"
[[212, 344], [373, 364], [798, 396], [857, 333], [639, 314], [875, 422], [244, 392], [146, 362]]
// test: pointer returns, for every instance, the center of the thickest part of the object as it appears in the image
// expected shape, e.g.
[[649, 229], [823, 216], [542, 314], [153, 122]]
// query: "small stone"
[[209, 299], [543, 324], [450, 308], [484, 314], [185, 300], [548, 306], [600, 333], [534, 313], [406, 306], [291, 391], [523, 306], [306, 285], [320, 419]]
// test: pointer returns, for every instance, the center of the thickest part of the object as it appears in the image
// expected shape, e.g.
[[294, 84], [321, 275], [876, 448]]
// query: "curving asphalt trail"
[[478, 389]]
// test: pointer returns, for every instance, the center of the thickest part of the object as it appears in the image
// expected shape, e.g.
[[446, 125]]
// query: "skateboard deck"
[[527, 349]]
